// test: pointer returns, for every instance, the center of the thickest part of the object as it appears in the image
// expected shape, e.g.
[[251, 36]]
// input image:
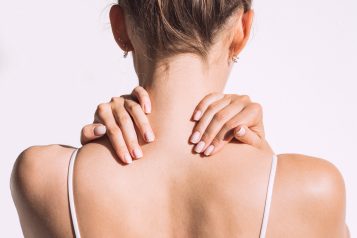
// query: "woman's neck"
[[176, 88]]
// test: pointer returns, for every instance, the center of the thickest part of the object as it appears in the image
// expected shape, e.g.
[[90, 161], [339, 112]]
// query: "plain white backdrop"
[[58, 60]]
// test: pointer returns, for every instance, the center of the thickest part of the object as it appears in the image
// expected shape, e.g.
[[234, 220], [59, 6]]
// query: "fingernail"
[[209, 150], [195, 138], [100, 130], [138, 153], [241, 132], [147, 108], [199, 147], [197, 115], [149, 136], [128, 158]]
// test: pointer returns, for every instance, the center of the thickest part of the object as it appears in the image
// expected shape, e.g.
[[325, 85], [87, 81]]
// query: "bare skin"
[[174, 192]]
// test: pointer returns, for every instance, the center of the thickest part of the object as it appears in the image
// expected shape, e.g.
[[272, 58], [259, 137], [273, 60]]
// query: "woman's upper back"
[[174, 194], [170, 192]]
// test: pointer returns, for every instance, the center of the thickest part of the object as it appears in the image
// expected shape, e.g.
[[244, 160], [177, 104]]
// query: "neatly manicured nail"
[[241, 132], [199, 147], [128, 158], [138, 153], [195, 138], [100, 130], [149, 136], [147, 108], [197, 116], [209, 150]]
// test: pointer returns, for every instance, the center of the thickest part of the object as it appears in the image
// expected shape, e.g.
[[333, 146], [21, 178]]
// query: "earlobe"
[[117, 20]]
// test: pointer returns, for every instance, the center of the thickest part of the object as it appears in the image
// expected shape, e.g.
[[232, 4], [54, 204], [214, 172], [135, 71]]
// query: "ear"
[[117, 20], [242, 33]]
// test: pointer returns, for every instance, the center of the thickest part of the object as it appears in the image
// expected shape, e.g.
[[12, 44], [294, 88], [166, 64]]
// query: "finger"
[[247, 136], [117, 140], [221, 121], [217, 145], [115, 136], [91, 132], [140, 119], [242, 133], [204, 104], [206, 118], [126, 125], [143, 97], [250, 116]]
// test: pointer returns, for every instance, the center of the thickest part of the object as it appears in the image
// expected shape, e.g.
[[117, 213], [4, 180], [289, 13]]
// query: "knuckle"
[[85, 131], [132, 143], [113, 130], [257, 107], [117, 100], [122, 149], [216, 141], [227, 126], [138, 91], [138, 88], [145, 125], [200, 107], [211, 107], [124, 119], [228, 96], [102, 108], [220, 136], [245, 98], [206, 137], [133, 107], [199, 127], [211, 95], [219, 117]]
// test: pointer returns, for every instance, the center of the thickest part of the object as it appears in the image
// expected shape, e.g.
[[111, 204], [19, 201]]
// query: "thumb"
[[91, 132], [247, 136]]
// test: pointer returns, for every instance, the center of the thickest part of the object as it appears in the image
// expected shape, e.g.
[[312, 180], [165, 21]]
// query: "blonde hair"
[[169, 27]]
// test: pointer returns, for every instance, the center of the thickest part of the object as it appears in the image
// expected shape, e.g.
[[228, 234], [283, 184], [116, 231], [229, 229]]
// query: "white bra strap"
[[72, 206], [268, 198]]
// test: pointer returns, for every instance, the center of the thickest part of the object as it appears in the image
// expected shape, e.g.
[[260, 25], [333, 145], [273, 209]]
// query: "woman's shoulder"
[[39, 189], [314, 175], [314, 190], [36, 162]]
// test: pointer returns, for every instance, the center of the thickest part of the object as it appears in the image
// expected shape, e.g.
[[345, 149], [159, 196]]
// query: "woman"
[[182, 50]]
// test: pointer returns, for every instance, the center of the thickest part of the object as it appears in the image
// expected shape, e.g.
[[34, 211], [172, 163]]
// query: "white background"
[[58, 61]]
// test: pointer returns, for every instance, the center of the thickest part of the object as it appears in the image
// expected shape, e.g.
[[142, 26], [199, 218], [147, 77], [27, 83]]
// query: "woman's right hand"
[[116, 119]]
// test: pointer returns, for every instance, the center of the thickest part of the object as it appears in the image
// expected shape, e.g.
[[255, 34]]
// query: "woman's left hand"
[[224, 117]]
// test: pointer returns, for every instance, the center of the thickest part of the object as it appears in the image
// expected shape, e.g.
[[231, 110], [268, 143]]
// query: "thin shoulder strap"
[[72, 206], [268, 198]]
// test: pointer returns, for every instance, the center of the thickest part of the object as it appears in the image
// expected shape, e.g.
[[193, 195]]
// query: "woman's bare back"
[[174, 193]]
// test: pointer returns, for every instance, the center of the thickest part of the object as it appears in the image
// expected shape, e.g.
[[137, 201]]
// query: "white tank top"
[[268, 198]]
